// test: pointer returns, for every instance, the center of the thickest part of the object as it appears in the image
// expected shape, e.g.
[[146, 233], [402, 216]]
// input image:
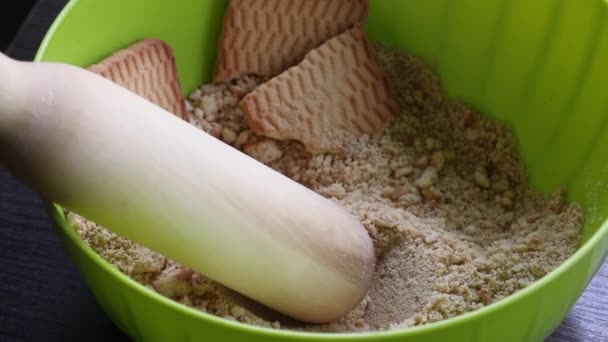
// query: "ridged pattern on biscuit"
[[265, 37], [148, 69], [337, 91]]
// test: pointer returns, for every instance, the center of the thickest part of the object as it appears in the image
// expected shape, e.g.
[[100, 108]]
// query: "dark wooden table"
[[43, 298]]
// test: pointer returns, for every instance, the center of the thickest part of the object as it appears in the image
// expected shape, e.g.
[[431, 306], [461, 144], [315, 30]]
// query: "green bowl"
[[539, 65]]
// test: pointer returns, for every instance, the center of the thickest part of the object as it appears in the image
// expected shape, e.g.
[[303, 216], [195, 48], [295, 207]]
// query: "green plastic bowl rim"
[[56, 213]]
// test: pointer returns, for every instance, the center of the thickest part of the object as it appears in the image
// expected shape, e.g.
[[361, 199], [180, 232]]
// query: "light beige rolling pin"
[[119, 160]]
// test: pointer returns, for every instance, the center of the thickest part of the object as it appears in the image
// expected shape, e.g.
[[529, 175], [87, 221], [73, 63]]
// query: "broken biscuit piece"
[[265, 37], [148, 69], [338, 91]]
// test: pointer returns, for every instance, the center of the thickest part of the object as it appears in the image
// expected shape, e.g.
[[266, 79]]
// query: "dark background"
[[10, 20], [44, 298]]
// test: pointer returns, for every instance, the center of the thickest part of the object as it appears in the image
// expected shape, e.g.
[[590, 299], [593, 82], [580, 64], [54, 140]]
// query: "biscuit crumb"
[[428, 178], [481, 178], [228, 135], [174, 281], [437, 160], [265, 150]]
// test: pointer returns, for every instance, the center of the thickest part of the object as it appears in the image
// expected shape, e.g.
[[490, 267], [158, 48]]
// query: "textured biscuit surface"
[[337, 91], [265, 37], [148, 69]]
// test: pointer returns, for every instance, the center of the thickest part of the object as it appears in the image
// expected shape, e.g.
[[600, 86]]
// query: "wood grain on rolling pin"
[[148, 69], [337, 91], [265, 37]]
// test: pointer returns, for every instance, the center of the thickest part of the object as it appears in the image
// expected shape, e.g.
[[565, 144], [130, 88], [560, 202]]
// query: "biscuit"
[[265, 37], [338, 91], [148, 69]]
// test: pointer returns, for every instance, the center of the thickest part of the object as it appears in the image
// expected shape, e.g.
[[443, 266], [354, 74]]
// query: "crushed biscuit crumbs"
[[441, 191]]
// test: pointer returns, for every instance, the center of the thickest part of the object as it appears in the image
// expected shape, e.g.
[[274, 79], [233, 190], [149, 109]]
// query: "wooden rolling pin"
[[125, 163]]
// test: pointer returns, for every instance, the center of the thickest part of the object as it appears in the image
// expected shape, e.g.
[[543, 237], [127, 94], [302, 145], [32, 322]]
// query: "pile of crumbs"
[[441, 191]]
